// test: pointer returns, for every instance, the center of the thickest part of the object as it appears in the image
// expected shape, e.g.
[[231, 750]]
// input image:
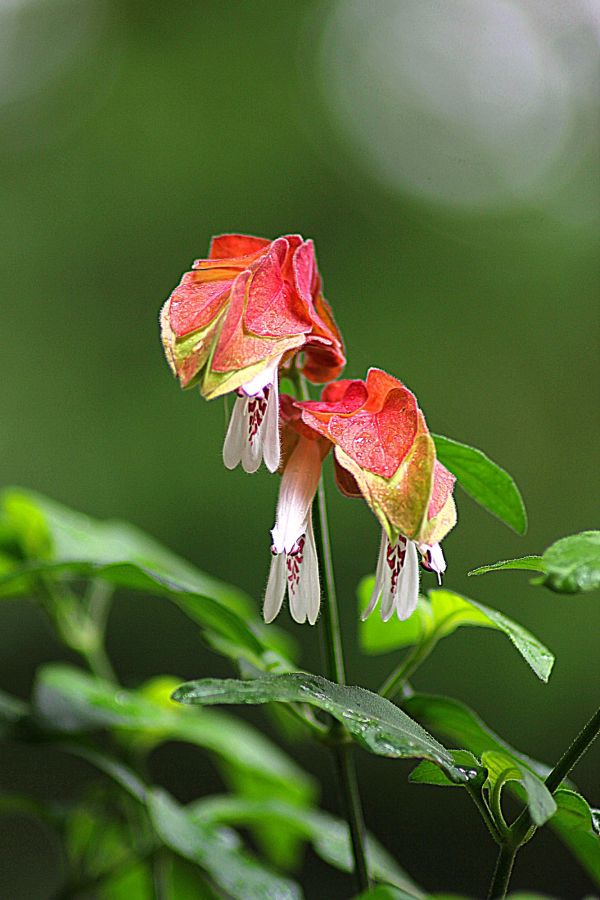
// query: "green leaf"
[[569, 566], [488, 484], [528, 563], [572, 564], [578, 827], [329, 836], [375, 723], [58, 542], [501, 768], [460, 725], [232, 869], [439, 616], [71, 701], [428, 773], [451, 611]]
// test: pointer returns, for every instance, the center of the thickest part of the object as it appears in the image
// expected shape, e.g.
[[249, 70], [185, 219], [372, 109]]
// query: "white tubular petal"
[[309, 588], [394, 564], [379, 577], [265, 378], [408, 583], [235, 439], [298, 487], [275, 588], [270, 430]]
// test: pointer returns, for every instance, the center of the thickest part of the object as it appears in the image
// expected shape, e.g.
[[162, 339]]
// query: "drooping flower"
[[239, 316], [384, 453], [294, 565]]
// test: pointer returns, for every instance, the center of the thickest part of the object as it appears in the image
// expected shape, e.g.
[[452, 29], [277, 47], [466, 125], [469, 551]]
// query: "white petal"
[[309, 588], [252, 453], [270, 430], [408, 583], [275, 588], [236, 437], [393, 574], [298, 487], [379, 577]]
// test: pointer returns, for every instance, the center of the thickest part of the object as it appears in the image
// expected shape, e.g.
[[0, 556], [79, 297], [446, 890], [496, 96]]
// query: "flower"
[[294, 562], [384, 453], [235, 319]]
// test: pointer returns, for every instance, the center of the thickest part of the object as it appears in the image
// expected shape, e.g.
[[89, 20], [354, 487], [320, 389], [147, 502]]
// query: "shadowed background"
[[443, 157]]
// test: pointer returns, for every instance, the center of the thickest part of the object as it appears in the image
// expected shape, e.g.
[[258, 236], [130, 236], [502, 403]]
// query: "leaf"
[[428, 773], [441, 614], [569, 566], [375, 723], [572, 564], [232, 869], [528, 563], [328, 835], [501, 767], [578, 827], [459, 724], [57, 541], [71, 701], [488, 484]]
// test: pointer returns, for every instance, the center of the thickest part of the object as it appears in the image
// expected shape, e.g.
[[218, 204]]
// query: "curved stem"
[[334, 654]]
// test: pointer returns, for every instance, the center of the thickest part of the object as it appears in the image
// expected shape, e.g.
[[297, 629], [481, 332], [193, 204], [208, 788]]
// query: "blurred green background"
[[443, 157]]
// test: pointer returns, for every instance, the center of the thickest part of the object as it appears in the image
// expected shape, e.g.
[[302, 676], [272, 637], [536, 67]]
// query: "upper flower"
[[385, 453], [248, 307]]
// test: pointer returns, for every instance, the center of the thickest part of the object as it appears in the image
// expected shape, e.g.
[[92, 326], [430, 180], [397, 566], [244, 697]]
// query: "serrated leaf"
[[438, 616], [572, 564], [375, 723], [485, 481], [71, 701], [329, 836], [576, 826], [504, 767], [235, 871]]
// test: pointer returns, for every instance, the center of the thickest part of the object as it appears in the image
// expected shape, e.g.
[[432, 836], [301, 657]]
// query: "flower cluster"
[[255, 309]]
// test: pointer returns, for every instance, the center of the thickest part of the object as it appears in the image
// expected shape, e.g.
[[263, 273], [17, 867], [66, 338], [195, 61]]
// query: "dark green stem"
[[334, 654], [523, 828], [504, 867], [396, 679]]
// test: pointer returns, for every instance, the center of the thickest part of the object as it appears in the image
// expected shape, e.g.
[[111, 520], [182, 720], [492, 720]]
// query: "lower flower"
[[294, 566], [253, 433], [397, 575]]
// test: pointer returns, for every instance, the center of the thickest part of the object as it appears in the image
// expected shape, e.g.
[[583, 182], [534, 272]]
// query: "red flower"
[[384, 453], [236, 317]]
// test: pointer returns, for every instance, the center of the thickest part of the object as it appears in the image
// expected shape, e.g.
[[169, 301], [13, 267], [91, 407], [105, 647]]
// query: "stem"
[[502, 873], [571, 757], [345, 764], [523, 828], [397, 678]]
